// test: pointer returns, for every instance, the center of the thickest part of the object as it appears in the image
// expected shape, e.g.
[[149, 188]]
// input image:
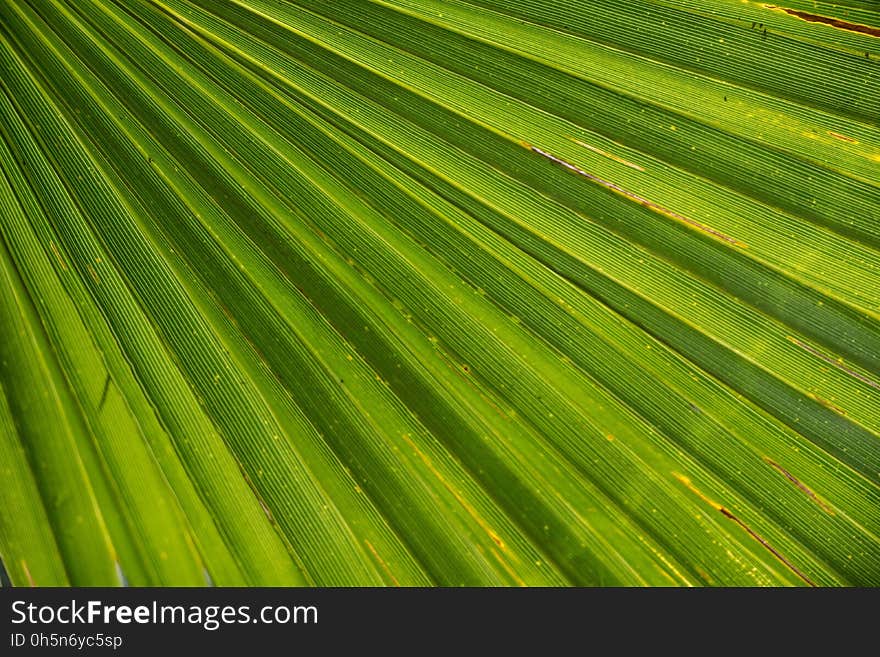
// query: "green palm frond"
[[415, 292]]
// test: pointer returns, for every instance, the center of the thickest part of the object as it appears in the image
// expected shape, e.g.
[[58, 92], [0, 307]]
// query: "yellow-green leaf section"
[[411, 292]]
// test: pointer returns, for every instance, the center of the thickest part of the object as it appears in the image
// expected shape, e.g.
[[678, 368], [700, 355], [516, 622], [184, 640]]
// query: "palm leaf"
[[415, 292]]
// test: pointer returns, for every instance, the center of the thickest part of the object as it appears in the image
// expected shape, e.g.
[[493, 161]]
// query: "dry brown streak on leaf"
[[827, 404], [827, 20], [610, 156], [838, 364], [785, 473], [727, 513], [641, 200], [841, 137]]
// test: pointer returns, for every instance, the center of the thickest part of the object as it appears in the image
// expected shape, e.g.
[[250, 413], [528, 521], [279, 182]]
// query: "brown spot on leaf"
[[641, 200], [610, 156], [785, 473], [731, 516], [827, 404], [727, 514], [841, 137], [827, 20], [836, 363]]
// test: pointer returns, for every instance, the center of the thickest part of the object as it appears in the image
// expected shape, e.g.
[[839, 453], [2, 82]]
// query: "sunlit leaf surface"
[[415, 292]]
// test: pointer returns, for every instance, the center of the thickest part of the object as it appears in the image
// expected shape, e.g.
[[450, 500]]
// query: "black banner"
[[547, 621]]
